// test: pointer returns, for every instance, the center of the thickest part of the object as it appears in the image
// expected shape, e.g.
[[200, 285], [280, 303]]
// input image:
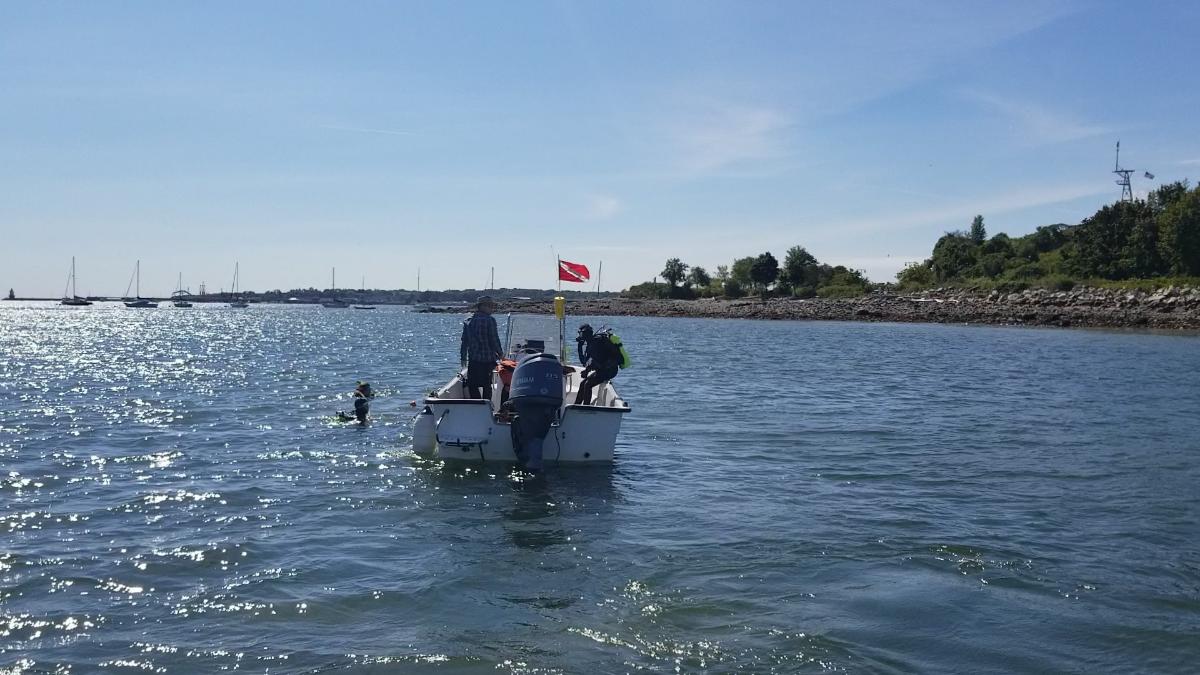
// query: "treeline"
[[1147, 238], [800, 275]]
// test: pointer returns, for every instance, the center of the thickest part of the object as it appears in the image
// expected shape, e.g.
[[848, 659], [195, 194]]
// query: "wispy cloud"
[[960, 213], [368, 130], [721, 135], [1038, 124], [602, 207]]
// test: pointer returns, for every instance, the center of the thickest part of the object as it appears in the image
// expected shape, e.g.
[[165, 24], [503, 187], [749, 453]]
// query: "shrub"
[[916, 275], [1007, 287], [841, 291], [647, 290], [1026, 271], [1057, 282]]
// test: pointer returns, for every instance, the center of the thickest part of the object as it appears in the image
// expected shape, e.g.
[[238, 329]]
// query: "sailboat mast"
[[74, 293]]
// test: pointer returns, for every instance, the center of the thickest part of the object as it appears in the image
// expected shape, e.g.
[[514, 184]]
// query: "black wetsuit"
[[362, 406], [602, 359]]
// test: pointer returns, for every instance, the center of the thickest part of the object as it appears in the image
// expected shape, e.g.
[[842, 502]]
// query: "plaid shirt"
[[480, 339]]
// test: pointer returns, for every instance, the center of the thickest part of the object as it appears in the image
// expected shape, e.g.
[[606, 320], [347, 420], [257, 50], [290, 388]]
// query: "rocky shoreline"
[[1171, 308]]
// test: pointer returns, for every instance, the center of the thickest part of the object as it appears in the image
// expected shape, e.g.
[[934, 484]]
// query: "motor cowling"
[[538, 379], [536, 395]]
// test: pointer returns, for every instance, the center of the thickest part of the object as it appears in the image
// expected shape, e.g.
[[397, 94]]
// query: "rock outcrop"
[[1172, 308]]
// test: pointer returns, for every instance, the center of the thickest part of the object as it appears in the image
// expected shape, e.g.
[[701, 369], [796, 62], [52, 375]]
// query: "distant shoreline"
[[1170, 308]]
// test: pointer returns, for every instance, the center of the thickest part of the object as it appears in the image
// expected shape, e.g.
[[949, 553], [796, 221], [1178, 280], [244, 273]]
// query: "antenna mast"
[[1123, 180]]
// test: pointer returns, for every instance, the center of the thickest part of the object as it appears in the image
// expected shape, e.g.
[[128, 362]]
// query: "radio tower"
[[1123, 181]]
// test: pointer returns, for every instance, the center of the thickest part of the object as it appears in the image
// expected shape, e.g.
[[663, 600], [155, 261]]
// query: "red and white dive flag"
[[573, 272]]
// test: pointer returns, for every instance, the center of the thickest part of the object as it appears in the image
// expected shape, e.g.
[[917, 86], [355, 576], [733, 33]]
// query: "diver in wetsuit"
[[601, 359], [362, 401], [362, 404]]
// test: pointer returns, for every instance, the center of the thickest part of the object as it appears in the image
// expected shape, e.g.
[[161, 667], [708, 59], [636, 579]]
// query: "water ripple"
[[788, 497]]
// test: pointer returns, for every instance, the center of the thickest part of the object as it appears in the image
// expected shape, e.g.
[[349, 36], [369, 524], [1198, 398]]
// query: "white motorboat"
[[452, 427]]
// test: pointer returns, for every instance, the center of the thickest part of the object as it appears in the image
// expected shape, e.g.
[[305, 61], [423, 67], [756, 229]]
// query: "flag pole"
[[599, 273], [558, 272]]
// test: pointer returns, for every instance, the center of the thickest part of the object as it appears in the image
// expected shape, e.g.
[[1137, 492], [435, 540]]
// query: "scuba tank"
[[623, 362]]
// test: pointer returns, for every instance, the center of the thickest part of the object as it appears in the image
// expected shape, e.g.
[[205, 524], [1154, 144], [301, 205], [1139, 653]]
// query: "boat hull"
[[458, 429]]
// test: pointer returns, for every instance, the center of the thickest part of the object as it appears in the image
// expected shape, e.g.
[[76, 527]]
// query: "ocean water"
[[788, 497]]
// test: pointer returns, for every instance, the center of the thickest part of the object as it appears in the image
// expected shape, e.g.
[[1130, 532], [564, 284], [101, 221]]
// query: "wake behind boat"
[[453, 427]]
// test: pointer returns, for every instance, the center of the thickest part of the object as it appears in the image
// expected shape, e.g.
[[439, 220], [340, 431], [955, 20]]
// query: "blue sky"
[[382, 137]]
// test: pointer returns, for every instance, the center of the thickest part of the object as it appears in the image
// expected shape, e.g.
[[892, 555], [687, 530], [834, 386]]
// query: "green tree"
[[800, 268], [1115, 242], [1000, 243], [953, 255], [722, 273], [843, 282], [1164, 196], [740, 271], [764, 271], [674, 271], [978, 233], [1179, 234], [699, 278], [1142, 251], [916, 275]]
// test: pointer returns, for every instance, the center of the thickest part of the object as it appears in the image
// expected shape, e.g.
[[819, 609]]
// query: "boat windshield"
[[527, 333]]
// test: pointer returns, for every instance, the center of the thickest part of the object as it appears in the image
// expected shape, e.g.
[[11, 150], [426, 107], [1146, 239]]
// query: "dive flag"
[[574, 272]]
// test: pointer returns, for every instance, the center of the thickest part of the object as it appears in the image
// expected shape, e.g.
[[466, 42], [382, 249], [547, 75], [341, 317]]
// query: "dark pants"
[[479, 379], [361, 407], [593, 378]]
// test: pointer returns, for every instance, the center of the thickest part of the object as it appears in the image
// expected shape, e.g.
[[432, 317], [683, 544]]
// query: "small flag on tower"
[[573, 272], [1149, 176]]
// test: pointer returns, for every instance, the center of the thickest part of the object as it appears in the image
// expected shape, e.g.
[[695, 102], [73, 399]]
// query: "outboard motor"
[[536, 396]]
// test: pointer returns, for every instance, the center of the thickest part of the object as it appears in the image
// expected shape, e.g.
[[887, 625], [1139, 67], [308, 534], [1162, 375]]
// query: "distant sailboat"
[[238, 301], [138, 302], [422, 307], [180, 295], [72, 300], [336, 302], [362, 291]]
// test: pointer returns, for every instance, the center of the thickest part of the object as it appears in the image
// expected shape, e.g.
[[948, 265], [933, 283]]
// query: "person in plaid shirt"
[[480, 348]]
